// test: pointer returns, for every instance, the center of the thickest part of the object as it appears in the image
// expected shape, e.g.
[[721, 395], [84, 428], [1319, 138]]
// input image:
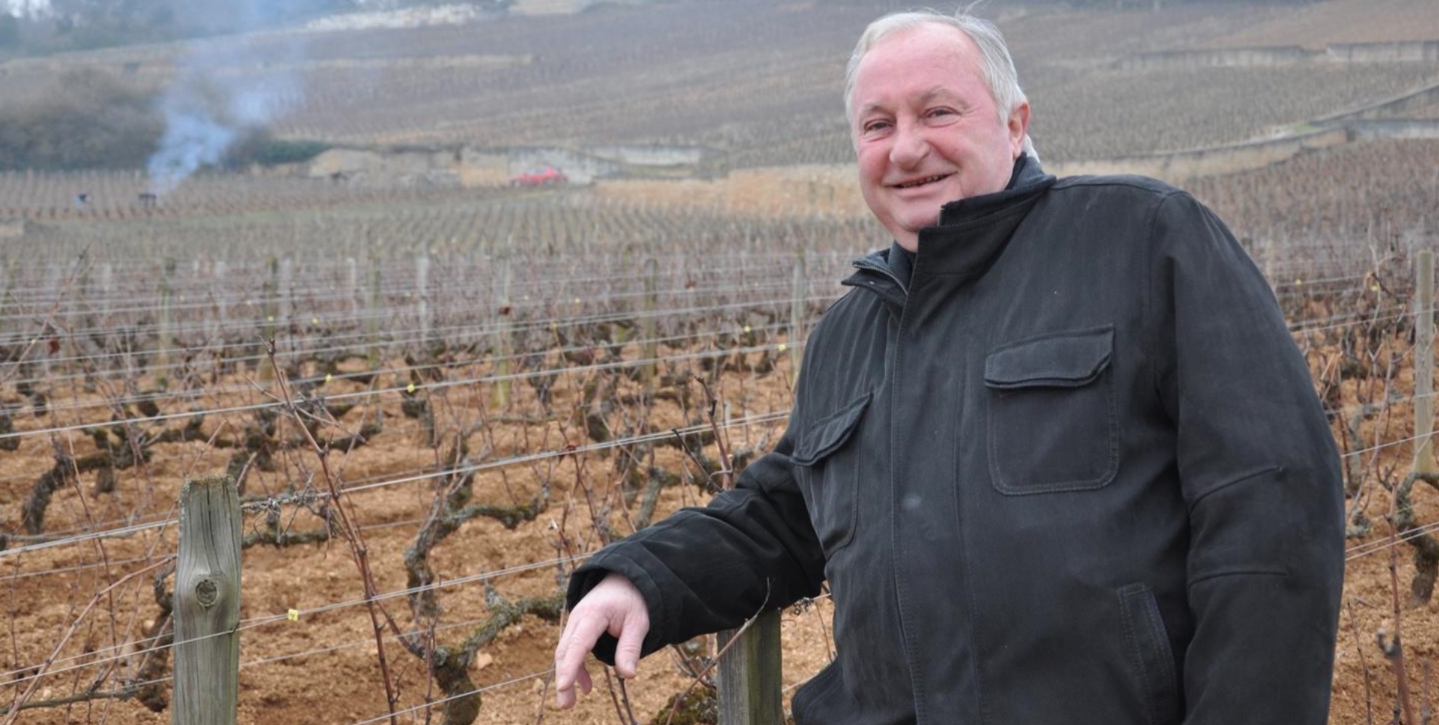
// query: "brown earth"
[[322, 666]]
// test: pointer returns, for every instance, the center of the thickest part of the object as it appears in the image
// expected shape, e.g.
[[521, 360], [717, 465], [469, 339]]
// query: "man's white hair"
[[998, 67]]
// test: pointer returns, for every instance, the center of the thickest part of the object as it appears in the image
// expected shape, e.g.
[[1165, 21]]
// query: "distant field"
[[761, 81], [719, 76], [1342, 21], [1108, 113]]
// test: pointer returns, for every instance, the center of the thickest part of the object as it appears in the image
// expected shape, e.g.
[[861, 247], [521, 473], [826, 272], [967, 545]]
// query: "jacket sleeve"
[[1260, 475], [706, 569]]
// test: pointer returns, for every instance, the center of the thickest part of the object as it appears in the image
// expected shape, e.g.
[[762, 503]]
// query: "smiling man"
[[1056, 453], [926, 128]]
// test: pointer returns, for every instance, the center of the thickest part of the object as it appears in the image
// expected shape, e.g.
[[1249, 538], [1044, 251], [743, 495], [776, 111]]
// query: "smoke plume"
[[224, 90]]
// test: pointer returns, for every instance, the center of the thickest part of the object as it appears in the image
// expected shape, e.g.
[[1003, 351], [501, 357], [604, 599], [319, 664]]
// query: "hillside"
[[759, 81]]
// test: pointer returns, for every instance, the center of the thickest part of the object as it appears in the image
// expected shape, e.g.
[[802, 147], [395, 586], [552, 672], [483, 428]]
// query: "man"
[[1056, 453]]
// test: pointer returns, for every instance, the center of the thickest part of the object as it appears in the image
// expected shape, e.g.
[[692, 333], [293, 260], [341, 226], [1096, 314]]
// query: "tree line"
[[94, 120]]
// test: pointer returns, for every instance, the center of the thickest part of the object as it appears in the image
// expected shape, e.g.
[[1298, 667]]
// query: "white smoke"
[[225, 89], [31, 9]]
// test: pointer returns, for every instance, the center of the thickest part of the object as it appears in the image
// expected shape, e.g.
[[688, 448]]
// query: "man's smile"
[[921, 182]]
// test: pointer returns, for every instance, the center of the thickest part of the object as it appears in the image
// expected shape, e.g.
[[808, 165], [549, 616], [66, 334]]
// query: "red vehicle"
[[540, 176]]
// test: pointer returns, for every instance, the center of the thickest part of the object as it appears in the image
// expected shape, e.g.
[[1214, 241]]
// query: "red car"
[[540, 176]]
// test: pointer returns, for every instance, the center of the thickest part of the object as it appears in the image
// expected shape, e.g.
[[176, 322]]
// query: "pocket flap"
[[1065, 360], [825, 435]]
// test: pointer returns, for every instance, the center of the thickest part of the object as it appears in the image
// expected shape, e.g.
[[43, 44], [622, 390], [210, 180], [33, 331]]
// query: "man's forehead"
[[898, 62], [907, 44], [917, 48]]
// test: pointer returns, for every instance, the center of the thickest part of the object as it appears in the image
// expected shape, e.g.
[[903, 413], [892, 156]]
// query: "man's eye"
[[873, 126], [939, 112]]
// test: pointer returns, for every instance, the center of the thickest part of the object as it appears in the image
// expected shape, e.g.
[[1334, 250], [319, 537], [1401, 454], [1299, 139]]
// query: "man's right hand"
[[614, 606]]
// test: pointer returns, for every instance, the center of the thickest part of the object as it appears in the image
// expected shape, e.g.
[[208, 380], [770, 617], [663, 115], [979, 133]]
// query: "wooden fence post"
[[422, 303], [798, 302], [207, 604], [352, 288], [219, 314], [107, 288], [287, 291], [1424, 363], [372, 314], [649, 327], [164, 338], [749, 675], [107, 295], [501, 347], [270, 311]]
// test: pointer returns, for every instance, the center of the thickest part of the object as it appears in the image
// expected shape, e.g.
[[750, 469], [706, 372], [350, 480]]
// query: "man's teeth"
[[921, 182]]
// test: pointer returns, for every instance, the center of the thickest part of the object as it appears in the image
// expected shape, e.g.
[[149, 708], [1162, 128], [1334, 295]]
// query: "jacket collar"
[[969, 236], [972, 232]]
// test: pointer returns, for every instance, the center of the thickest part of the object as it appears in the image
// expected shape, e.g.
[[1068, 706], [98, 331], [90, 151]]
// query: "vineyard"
[[437, 400], [511, 379]]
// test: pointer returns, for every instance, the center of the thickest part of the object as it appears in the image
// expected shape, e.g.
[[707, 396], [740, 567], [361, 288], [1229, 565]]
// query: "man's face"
[[926, 128]]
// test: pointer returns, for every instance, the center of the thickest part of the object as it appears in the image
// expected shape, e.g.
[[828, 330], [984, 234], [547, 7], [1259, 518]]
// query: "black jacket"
[[1071, 470]]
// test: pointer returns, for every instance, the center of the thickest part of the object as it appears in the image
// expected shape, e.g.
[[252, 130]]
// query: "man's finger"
[[565, 698], [576, 642], [632, 638]]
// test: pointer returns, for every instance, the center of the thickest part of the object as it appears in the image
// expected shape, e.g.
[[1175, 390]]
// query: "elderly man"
[[1056, 453]]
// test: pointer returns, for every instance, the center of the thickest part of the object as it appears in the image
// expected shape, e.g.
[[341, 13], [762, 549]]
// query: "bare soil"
[[307, 650]]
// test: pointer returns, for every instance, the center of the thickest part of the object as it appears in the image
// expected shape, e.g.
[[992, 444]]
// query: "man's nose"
[[910, 145]]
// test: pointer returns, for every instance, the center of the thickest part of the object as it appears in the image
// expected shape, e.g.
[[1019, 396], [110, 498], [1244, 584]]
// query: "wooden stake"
[[1424, 363], [649, 330], [749, 674], [207, 604], [422, 307]]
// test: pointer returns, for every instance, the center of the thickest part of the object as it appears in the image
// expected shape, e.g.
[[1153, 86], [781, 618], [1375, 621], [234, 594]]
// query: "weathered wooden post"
[[422, 306], [207, 604], [372, 313], [7, 287], [352, 287], [219, 314], [501, 348], [74, 320], [749, 675], [107, 294], [797, 306], [649, 329], [164, 339], [107, 288], [286, 290], [271, 310], [1424, 363]]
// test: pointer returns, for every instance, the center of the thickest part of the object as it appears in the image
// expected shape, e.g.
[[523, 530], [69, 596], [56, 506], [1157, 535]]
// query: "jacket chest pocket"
[[1052, 422], [826, 459]]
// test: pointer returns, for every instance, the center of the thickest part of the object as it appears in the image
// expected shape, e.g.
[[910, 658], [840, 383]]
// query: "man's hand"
[[614, 606]]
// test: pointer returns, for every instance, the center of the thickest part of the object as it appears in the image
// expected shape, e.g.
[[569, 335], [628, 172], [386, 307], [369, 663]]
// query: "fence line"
[[432, 385], [352, 487], [1325, 324], [105, 655], [359, 485], [1352, 553]]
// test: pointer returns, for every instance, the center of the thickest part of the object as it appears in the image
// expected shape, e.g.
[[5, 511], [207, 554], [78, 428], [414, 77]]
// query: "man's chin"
[[917, 222]]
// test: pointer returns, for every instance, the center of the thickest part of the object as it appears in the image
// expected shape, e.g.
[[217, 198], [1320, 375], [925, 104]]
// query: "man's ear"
[[1018, 127]]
